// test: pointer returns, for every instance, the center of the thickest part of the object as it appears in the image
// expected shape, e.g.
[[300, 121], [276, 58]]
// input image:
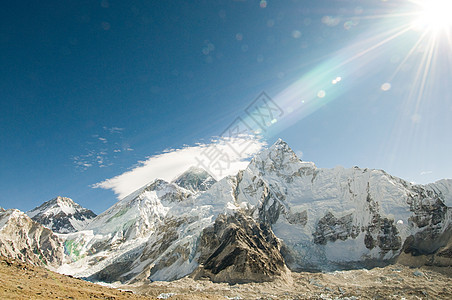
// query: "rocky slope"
[[62, 215], [237, 249], [22, 238]]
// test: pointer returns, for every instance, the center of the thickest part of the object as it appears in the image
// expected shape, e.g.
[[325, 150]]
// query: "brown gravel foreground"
[[19, 280]]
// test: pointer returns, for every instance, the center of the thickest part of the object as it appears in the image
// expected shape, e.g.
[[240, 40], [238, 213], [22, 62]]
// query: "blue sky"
[[90, 90]]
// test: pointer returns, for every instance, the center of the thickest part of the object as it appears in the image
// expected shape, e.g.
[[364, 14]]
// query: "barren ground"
[[392, 282], [19, 280], [23, 281]]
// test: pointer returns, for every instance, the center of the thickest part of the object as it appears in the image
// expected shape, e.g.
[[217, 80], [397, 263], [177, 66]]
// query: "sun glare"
[[435, 15]]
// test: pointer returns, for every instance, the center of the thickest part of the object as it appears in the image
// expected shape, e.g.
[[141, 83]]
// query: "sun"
[[434, 15]]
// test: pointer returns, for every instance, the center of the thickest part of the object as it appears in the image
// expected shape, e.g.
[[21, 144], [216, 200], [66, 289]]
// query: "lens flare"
[[434, 15]]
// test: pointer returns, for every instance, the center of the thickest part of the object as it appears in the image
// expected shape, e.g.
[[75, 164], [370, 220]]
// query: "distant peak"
[[195, 179], [196, 170], [61, 214], [157, 184], [192, 171], [59, 202]]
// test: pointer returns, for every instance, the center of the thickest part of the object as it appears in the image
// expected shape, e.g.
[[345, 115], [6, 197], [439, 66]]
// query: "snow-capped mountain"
[[322, 219], [29, 241], [114, 239], [62, 215], [279, 213], [334, 218]]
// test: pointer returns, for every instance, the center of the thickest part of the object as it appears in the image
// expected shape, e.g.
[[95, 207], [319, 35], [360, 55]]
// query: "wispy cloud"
[[220, 158], [426, 173], [102, 149], [113, 129]]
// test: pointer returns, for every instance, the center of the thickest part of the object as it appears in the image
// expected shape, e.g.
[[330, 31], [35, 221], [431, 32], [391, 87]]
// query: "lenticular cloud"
[[221, 157]]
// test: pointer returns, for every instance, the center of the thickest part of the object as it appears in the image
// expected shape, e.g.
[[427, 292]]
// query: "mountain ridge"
[[288, 215]]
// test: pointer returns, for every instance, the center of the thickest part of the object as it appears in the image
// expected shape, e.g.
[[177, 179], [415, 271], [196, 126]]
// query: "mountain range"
[[278, 215]]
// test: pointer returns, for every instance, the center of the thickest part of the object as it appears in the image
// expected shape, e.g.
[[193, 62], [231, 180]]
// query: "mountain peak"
[[195, 179], [63, 201], [280, 146], [278, 150], [197, 170], [279, 158], [280, 141], [61, 214]]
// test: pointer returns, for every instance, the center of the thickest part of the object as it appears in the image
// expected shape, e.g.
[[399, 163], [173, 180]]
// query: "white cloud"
[[220, 158], [102, 149]]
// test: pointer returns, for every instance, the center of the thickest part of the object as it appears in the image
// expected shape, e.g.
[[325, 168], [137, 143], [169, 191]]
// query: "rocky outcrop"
[[440, 258], [432, 218], [62, 215], [22, 238], [329, 229], [237, 249]]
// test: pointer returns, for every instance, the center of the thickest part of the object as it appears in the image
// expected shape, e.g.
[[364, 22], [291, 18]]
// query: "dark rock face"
[[271, 208], [329, 229], [382, 233], [428, 208], [236, 249], [430, 217], [297, 218]]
